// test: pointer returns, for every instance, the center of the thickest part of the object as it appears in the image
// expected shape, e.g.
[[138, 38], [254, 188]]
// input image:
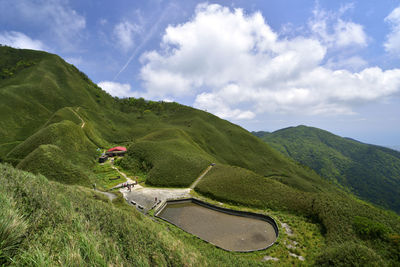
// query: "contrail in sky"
[[144, 42]]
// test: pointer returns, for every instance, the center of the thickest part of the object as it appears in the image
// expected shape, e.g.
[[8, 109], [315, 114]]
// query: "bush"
[[369, 229], [349, 254]]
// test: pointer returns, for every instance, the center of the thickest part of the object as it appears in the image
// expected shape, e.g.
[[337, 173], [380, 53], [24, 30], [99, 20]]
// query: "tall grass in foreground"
[[12, 229]]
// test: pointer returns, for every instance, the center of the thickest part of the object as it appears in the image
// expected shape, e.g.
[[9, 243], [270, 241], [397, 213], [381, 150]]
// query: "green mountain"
[[371, 172], [54, 122]]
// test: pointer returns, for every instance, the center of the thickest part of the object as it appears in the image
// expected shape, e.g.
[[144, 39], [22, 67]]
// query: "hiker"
[[136, 180], [155, 199], [94, 186]]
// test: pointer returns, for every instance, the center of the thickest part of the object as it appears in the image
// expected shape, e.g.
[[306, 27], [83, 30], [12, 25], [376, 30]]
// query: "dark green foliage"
[[369, 229], [349, 254], [8, 72], [371, 172]]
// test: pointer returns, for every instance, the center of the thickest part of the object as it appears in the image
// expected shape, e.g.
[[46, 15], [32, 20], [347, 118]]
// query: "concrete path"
[[145, 198], [111, 196]]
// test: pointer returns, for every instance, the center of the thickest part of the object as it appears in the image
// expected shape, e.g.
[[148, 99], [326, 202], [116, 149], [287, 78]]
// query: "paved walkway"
[[111, 196], [144, 198]]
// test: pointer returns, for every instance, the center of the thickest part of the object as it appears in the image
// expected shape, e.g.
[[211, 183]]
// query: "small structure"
[[103, 158], [116, 151]]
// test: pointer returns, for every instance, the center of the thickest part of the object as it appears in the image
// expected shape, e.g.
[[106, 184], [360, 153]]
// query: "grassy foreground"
[[45, 223]]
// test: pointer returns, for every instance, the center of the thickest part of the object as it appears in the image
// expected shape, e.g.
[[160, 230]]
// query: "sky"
[[264, 65]]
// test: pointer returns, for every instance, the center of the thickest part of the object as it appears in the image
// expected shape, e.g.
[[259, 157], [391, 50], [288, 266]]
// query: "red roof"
[[117, 148]]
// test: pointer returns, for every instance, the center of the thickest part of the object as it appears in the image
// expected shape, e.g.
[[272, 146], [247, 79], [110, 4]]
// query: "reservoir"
[[228, 229]]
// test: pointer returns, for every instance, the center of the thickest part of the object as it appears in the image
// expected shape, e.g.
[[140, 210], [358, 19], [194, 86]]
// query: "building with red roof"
[[116, 151]]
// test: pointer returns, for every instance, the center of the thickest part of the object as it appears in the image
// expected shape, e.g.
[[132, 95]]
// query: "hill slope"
[[372, 172], [50, 99], [54, 120]]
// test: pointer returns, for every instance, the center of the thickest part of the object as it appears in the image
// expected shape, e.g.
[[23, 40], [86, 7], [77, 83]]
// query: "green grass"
[[168, 145], [51, 161], [335, 212], [72, 225], [371, 172], [68, 136], [103, 174], [12, 229]]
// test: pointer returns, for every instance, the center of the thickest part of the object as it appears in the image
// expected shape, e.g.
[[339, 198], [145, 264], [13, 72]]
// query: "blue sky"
[[264, 65]]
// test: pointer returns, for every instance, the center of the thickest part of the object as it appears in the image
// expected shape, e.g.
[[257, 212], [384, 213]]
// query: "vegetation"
[[64, 121], [337, 212], [57, 224], [369, 171], [106, 177]]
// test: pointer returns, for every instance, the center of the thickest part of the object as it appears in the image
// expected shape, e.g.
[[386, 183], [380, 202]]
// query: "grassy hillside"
[[50, 224], [356, 233], [51, 99], [53, 120], [371, 172]]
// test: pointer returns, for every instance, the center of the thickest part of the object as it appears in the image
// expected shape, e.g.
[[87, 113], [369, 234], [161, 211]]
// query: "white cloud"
[[20, 40], [334, 32], [116, 89], [236, 66], [74, 60], [124, 34], [54, 17], [353, 63], [392, 44], [215, 103]]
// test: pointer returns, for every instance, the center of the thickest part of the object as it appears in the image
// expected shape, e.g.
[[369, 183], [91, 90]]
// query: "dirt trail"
[[76, 113], [200, 177]]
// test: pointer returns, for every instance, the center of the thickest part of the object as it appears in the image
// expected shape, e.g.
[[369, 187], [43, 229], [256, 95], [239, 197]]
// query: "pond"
[[228, 229]]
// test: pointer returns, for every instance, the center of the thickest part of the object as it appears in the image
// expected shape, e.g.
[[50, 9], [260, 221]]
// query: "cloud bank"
[[61, 22], [20, 40], [236, 66], [116, 89]]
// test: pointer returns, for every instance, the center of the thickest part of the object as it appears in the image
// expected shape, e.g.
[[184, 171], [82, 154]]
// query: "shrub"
[[349, 254], [369, 229]]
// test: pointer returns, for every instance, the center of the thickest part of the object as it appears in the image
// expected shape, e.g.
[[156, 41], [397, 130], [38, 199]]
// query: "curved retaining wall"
[[246, 214]]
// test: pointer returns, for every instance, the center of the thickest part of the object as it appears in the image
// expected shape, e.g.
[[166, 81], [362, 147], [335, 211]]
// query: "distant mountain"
[[395, 148], [370, 171]]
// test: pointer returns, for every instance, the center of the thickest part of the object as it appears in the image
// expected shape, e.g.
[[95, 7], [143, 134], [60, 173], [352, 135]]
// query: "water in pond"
[[227, 231]]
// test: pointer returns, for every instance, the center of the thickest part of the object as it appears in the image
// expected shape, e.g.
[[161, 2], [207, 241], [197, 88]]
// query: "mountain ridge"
[[345, 161]]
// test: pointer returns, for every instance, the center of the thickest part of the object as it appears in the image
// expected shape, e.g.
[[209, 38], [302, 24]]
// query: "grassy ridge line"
[[40, 90], [74, 226], [371, 172]]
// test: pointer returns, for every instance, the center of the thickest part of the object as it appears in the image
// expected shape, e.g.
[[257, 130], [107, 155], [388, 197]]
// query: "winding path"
[[76, 113]]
